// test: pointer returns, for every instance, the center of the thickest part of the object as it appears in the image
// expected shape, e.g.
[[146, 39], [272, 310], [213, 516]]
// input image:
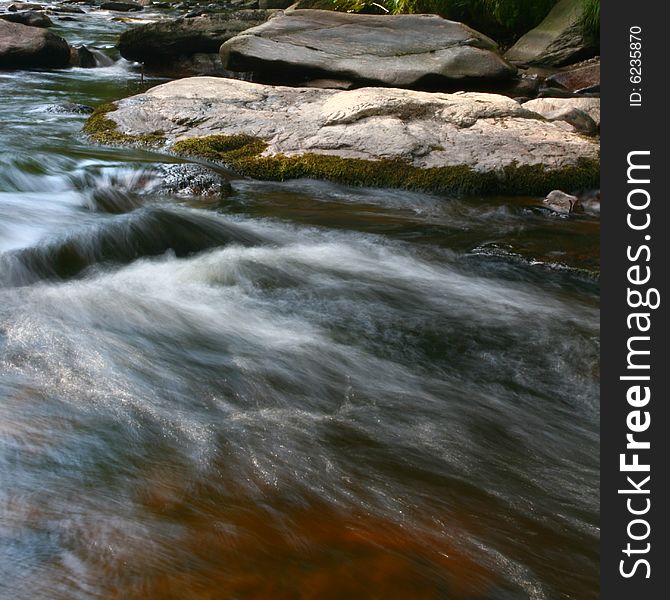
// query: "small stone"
[[560, 202], [190, 180], [70, 107]]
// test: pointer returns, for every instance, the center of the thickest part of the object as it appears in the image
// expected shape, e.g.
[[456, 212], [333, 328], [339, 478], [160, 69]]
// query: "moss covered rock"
[[467, 142], [559, 40]]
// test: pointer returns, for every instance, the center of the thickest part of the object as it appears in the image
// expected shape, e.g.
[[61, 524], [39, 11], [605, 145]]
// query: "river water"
[[311, 391]]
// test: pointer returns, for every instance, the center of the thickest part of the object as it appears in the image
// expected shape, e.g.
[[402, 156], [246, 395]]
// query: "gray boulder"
[[23, 47], [557, 41], [31, 18], [422, 51], [370, 136], [159, 44]]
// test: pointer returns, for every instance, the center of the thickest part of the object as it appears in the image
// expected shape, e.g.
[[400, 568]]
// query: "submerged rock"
[[370, 136], [422, 51], [160, 44], [24, 47], [559, 40]]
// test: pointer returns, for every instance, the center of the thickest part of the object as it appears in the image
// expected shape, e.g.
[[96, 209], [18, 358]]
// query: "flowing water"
[[311, 391]]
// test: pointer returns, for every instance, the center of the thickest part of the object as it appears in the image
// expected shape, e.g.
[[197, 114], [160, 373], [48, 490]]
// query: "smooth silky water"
[[311, 391]]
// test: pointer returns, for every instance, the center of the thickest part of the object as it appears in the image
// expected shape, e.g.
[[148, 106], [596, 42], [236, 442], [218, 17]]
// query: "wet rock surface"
[[560, 202], [190, 180], [162, 43], [89, 58], [580, 78], [23, 47]]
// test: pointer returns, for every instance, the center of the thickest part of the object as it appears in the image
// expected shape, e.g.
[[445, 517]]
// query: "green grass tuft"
[[503, 20], [590, 21]]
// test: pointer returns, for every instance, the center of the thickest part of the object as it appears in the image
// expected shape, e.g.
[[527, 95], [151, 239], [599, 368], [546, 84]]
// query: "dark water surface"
[[315, 392]]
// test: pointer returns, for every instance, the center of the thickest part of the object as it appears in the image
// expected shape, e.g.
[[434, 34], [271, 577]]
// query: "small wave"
[[121, 240]]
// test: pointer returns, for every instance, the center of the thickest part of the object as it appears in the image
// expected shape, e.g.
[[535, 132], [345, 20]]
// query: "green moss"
[[222, 148], [243, 154], [104, 131]]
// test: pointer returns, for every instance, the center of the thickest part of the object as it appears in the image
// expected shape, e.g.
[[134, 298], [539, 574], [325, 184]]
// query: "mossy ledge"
[[105, 131], [243, 153]]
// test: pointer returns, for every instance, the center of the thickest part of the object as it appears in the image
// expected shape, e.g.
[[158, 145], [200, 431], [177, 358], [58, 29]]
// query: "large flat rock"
[[399, 51], [476, 135]]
